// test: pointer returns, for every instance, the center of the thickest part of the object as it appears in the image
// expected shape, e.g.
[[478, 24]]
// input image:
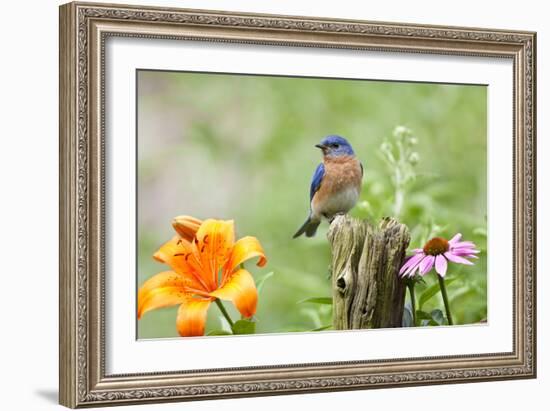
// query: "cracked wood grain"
[[367, 291]]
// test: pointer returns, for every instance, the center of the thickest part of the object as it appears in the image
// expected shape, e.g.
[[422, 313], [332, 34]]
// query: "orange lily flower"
[[205, 260]]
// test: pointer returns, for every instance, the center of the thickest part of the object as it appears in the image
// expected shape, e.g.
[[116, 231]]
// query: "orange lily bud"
[[186, 226]]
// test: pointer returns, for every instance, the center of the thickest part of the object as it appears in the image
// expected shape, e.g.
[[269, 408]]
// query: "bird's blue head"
[[334, 146]]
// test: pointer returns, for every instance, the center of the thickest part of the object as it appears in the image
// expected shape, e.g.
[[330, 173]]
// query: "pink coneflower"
[[436, 252]]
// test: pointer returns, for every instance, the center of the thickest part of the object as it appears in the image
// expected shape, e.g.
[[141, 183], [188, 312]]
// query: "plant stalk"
[[445, 299], [224, 312], [410, 286]]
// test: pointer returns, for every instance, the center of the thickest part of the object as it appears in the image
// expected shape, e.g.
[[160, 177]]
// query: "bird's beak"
[[321, 146]]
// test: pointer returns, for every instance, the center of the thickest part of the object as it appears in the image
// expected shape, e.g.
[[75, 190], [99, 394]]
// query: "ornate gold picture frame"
[[84, 30]]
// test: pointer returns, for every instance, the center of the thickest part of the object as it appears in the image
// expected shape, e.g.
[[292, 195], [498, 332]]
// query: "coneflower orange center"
[[436, 246]]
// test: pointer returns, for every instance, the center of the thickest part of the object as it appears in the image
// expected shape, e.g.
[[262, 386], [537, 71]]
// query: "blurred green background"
[[242, 147]]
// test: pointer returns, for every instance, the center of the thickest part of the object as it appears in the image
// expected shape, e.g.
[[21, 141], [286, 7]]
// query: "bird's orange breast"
[[341, 172]]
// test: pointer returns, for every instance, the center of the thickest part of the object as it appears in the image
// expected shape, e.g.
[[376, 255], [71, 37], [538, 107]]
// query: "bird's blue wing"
[[316, 180]]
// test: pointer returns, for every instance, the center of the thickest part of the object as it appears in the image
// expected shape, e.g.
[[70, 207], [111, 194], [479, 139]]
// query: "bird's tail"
[[309, 227]]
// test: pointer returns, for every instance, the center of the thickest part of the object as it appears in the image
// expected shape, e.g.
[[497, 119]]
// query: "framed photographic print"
[[259, 204]]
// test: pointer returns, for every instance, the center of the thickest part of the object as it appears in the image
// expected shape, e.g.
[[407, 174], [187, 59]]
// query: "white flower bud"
[[414, 158], [400, 131]]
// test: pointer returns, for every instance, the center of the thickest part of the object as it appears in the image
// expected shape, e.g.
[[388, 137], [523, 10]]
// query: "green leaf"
[[465, 293], [219, 332], [431, 291], [423, 315], [244, 327], [317, 300], [438, 317], [261, 282], [426, 295]]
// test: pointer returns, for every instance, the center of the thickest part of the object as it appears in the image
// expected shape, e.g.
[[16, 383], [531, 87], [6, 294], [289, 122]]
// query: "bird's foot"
[[331, 219]]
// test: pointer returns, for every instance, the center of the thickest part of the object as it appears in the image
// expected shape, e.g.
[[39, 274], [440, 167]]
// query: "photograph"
[[242, 180], [257, 203]]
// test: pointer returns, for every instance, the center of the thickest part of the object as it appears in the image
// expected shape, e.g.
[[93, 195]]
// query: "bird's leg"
[[331, 219]]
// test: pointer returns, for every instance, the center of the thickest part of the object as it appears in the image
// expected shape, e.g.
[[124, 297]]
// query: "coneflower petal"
[[426, 264], [411, 261], [455, 239], [441, 265], [462, 244], [411, 270], [457, 259], [465, 252]]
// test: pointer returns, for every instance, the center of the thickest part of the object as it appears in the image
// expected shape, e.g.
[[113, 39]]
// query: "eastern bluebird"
[[336, 183]]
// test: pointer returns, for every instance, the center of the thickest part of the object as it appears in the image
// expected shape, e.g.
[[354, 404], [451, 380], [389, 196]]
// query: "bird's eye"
[[335, 145]]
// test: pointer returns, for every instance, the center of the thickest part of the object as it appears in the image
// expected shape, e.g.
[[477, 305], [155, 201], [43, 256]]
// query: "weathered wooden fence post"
[[367, 291]]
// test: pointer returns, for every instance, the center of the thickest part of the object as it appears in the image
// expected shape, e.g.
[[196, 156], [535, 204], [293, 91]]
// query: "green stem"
[[399, 192], [445, 299], [410, 286], [224, 312]]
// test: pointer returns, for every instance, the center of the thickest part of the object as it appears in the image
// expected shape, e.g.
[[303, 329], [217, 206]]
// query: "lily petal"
[[191, 318], [180, 257], [240, 289], [441, 265], [186, 226], [243, 250], [162, 290], [214, 242], [216, 235], [167, 250]]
